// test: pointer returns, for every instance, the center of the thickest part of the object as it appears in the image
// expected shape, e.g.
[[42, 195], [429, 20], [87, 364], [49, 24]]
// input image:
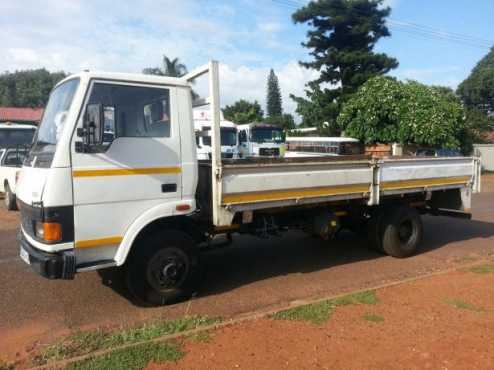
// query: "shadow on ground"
[[250, 259]]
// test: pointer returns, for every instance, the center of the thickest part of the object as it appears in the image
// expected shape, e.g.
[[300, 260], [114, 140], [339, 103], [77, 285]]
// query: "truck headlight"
[[49, 231]]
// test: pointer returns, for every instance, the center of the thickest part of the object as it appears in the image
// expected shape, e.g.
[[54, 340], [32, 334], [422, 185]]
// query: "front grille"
[[226, 155], [269, 152]]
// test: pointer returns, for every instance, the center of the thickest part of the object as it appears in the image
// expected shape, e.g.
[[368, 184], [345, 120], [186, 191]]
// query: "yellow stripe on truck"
[[421, 183], [127, 171], [92, 243], [294, 194]]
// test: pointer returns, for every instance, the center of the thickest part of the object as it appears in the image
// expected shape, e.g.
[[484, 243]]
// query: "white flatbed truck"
[[144, 203]]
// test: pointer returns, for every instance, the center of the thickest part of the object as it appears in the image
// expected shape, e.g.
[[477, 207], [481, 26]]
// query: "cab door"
[[135, 165]]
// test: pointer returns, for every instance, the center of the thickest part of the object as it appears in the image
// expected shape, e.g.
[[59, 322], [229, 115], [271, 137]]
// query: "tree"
[[29, 88], [171, 68], [385, 110], [243, 111], [342, 38], [286, 121], [273, 98], [477, 91]]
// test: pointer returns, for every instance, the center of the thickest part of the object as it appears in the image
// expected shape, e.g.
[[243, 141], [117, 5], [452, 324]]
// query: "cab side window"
[[132, 111]]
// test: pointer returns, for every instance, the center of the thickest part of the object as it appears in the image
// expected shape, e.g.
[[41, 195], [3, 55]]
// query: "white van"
[[228, 131], [13, 135], [10, 164], [261, 140]]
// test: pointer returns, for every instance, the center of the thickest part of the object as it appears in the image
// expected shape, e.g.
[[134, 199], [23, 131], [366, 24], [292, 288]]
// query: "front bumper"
[[58, 265]]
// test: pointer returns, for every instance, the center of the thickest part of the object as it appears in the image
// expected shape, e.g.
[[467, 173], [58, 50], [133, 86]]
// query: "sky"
[[247, 36]]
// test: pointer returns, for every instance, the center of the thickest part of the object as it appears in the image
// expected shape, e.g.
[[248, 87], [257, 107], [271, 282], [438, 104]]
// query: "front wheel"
[[401, 231], [163, 269], [9, 199]]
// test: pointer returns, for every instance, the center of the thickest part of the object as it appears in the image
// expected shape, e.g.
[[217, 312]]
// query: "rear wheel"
[[401, 231], [9, 199], [163, 268]]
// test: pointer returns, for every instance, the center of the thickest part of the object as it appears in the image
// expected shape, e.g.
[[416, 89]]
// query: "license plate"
[[25, 256]]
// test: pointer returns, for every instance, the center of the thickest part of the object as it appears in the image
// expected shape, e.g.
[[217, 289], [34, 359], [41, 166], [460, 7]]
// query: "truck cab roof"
[[137, 78]]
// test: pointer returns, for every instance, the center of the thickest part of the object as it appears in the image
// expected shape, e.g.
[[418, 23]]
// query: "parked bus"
[[306, 146], [261, 140]]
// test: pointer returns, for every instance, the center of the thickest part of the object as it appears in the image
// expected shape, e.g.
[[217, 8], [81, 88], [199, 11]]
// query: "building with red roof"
[[21, 115]]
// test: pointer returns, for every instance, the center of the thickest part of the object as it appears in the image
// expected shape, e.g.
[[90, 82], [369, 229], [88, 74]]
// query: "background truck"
[[228, 133], [261, 140], [144, 203]]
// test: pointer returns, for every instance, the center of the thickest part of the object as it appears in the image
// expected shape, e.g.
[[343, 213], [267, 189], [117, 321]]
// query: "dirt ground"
[[442, 322]]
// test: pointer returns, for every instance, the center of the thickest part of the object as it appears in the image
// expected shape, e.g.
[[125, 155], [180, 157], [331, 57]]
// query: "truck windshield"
[[267, 135], [11, 138], [228, 136], [52, 124]]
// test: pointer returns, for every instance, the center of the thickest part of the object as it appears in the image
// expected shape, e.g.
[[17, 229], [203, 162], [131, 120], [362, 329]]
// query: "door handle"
[[169, 188]]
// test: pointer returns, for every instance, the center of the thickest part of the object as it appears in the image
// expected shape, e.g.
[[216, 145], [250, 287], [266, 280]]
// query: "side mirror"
[[93, 123], [92, 131]]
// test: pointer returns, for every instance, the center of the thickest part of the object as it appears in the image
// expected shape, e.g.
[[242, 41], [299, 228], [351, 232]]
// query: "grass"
[[85, 342], [133, 358], [373, 317], [487, 268], [462, 305], [317, 313], [202, 336]]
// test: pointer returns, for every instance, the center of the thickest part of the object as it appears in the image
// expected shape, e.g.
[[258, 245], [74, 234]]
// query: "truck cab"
[[228, 133], [109, 158], [261, 140]]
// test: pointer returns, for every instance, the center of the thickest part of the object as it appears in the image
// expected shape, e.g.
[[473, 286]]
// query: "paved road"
[[251, 275]]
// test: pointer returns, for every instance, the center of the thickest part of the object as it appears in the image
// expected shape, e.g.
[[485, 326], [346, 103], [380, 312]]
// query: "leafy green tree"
[[243, 111], [285, 120], [273, 99], [342, 37], [477, 91], [319, 108], [29, 88], [171, 68], [385, 110]]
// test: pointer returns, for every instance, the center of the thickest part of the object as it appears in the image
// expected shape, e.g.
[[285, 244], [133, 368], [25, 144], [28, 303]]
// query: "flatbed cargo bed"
[[263, 183]]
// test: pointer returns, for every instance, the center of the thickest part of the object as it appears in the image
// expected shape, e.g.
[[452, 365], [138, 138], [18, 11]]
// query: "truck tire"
[[402, 231], [163, 268], [10, 202]]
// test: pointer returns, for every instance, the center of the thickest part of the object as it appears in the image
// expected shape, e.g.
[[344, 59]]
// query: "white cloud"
[[270, 27], [126, 36]]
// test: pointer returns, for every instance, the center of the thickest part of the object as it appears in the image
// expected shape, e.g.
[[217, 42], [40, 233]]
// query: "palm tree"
[[172, 68]]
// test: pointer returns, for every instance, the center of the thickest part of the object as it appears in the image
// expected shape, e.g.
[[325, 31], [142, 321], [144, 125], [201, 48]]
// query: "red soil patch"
[[421, 330]]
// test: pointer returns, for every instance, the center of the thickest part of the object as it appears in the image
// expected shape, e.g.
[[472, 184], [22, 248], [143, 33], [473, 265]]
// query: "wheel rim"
[[168, 269], [405, 231]]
